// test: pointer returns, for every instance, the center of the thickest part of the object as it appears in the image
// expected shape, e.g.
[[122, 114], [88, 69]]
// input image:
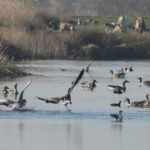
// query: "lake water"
[[89, 125]]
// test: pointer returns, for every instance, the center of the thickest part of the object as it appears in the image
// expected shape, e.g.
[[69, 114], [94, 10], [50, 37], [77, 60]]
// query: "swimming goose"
[[117, 74], [67, 98], [91, 86], [147, 102], [141, 83], [117, 87], [130, 69], [15, 91], [87, 67], [5, 90], [118, 117], [13, 105], [116, 104], [136, 103]]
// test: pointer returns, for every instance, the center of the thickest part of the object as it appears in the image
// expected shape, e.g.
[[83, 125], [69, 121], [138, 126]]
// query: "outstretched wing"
[[52, 100], [22, 92], [76, 81], [114, 116], [87, 67], [6, 102]]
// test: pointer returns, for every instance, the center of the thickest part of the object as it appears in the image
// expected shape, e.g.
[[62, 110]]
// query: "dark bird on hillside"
[[66, 98], [13, 105], [118, 117]]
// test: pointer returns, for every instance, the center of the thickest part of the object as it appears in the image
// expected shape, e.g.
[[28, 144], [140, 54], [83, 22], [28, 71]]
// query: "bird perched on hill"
[[67, 98], [118, 117], [13, 105]]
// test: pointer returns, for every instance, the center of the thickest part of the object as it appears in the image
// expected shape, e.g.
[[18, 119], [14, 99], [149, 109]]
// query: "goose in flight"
[[66, 99], [13, 105], [118, 117]]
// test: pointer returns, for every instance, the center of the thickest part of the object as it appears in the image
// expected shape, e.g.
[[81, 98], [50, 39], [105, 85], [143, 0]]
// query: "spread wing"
[[6, 102], [22, 92], [55, 100], [87, 67], [76, 81], [114, 116]]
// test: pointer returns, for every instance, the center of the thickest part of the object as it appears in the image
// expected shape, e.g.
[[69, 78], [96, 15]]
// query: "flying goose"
[[67, 98], [13, 105], [118, 117], [117, 87], [141, 83], [116, 104], [117, 74]]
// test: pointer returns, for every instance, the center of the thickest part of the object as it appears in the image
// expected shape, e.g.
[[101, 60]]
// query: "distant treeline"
[[97, 7]]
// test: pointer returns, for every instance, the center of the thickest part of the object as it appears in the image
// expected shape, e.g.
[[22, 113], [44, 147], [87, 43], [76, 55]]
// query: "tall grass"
[[25, 34]]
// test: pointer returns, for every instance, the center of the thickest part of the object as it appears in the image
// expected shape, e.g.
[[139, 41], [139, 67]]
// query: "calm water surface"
[[89, 125]]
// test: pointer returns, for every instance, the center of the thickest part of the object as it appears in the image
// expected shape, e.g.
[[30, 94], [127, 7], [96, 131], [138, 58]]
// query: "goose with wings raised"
[[66, 98], [13, 105], [118, 117]]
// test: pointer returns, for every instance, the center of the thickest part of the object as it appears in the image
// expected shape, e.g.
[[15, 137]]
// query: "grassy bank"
[[29, 36]]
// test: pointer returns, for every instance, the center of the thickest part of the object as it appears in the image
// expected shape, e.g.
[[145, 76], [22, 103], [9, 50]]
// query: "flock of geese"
[[19, 104]]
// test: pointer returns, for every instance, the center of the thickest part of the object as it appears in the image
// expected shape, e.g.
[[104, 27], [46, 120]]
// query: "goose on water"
[[117, 74], [91, 86], [142, 103], [15, 91], [141, 83], [13, 105], [117, 87], [118, 117]]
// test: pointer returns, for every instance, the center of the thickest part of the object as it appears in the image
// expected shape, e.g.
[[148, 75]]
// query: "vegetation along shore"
[[45, 35]]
